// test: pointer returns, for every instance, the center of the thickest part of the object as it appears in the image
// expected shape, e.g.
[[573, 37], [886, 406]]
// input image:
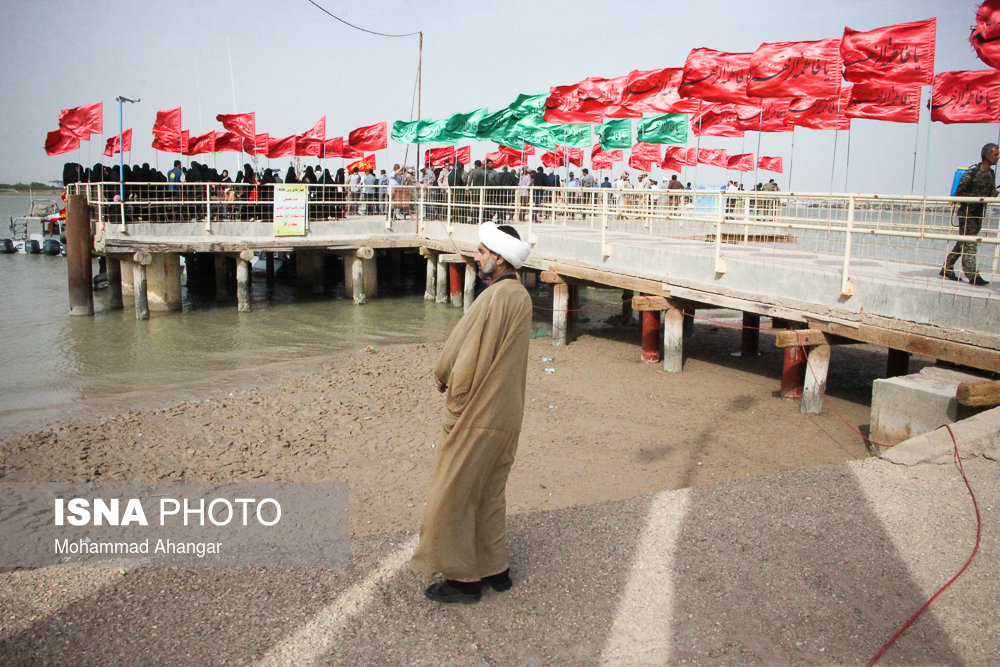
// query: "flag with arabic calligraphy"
[[796, 69], [885, 101], [966, 97], [985, 37], [656, 92], [769, 163], [902, 53], [716, 120], [821, 114], [716, 76]]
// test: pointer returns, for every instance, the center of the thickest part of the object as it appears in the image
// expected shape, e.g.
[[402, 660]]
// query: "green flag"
[[577, 136], [615, 134], [535, 131], [465, 125], [405, 132], [433, 132], [492, 123], [529, 105], [670, 128]]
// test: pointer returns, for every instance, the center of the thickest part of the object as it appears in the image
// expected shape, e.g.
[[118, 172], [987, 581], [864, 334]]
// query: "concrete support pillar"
[[128, 289], [815, 380], [455, 283], [897, 364], [243, 280], [560, 313], [651, 336], [221, 276], [163, 281], [141, 260], [574, 307], [358, 280], [627, 295], [115, 284], [689, 321], [269, 267], [442, 283], [361, 275], [750, 343], [79, 265], [469, 289], [673, 340], [309, 270], [430, 285]]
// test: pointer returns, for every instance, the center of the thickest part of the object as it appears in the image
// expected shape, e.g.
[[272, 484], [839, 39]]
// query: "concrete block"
[[910, 405]]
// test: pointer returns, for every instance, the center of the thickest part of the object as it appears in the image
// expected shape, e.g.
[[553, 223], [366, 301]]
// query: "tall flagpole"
[[916, 142], [420, 64], [121, 148], [836, 133], [847, 169], [791, 160]]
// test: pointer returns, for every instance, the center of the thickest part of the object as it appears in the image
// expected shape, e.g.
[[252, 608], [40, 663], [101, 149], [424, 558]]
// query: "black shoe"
[[500, 582], [978, 281], [454, 591], [948, 273]]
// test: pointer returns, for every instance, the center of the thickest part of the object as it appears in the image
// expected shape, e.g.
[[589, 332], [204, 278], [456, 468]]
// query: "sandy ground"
[[603, 426]]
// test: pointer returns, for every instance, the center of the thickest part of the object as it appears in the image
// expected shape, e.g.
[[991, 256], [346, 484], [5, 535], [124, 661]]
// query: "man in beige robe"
[[482, 368]]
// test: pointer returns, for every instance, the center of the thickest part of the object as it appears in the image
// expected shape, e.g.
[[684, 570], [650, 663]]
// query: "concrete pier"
[[79, 267], [140, 261], [128, 289], [163, 276], [115, 284]]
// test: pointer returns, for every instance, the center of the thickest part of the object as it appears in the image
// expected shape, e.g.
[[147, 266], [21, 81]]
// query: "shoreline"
[[604, 426]]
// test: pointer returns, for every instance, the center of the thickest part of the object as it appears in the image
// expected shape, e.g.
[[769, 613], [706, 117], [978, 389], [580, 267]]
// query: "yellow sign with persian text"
[[290, 209]]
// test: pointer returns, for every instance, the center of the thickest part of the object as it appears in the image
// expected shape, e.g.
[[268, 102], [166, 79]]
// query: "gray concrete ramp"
[[813, 566]]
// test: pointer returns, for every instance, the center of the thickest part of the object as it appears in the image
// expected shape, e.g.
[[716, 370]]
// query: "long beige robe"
[[484, 364]]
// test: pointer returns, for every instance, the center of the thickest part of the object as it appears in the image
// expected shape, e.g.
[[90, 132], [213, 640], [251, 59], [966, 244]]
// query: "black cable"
[[371, 32]]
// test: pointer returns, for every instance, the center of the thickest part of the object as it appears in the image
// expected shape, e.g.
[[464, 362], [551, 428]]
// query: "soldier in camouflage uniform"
[[978, 181]]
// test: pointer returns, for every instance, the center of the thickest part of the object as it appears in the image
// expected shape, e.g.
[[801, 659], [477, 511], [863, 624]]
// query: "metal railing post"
[[482, 202], [448, 211], [720, 215], [421, 212], [846, 286], [388, 212], [604, 223], [208, 207]]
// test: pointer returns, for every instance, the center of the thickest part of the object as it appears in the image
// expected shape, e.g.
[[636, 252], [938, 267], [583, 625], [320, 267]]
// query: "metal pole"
[[420, 62]]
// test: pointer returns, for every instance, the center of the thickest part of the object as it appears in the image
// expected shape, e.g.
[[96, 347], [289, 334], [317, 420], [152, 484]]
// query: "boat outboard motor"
[[7, 246], [51, 247], [101, 280], [32, 247]]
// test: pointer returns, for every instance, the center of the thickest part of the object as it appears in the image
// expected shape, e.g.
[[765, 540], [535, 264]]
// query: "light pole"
[[121, 152]]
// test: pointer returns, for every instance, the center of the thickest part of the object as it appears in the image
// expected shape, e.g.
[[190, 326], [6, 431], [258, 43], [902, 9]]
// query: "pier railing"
[[846, 234]]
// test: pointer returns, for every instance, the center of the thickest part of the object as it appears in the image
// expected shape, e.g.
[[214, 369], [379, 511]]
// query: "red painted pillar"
[[651, 336], [793, 373], [455, 271]]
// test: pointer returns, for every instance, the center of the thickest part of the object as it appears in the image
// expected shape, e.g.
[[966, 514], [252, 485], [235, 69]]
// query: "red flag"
[[769, 163], [438, 156], [204, 143], [598, 153], [550, 159], [656, 91], [741, 162], [713, 156], [281, 147], [306, 145], [60, 141], [261, 143], [768, 115], [333, 147], [796, 69], [112, 145], [464, 154], [228, 141], [716, 120], [821, 114], [966, 97], [681, 155], [240, 124], [601, 162], [715, 76], [168, 121], [364, 164], [646, 151], [318, 130], [885, 101], [985, 37], [671, 163], [499, 159], [563, 106], [172, 142], [575, 156], [641, 163], [81, 122], [370, 138], [902, 53]]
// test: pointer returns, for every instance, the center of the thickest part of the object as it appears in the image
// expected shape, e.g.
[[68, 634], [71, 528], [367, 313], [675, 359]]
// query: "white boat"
[[51, 221]]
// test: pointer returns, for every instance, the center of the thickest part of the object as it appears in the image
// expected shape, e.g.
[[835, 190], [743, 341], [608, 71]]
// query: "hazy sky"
[[291, 64]]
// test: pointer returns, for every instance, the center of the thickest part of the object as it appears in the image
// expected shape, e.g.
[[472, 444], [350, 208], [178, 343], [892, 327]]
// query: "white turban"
[[513, 250]]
